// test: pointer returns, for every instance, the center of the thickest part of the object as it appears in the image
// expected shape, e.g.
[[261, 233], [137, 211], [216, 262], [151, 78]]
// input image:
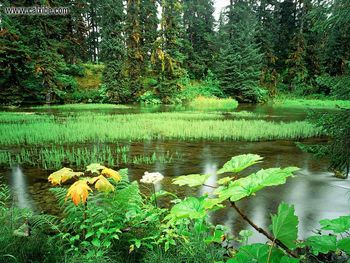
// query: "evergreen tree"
[[266, 39], [39, 77], [167, 57], [149, 24], [199, 26], [239, 64], [113, 51], [135, 57]]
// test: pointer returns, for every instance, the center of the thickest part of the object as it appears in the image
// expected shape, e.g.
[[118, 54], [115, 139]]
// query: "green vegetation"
[[80, 128], [89, 106], [252, 51], [213, 103], [79, 157], [337, 126], [91, 76], [107, 219], [312, 104]]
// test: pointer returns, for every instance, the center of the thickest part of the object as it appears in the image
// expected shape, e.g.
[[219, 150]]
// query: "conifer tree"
[[199, 26], [113, 51], [167, 57], [239, 63], [135, 57]]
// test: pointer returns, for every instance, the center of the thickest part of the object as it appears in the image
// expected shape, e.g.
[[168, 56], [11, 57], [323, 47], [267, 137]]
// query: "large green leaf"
[[338, 225], [322, 244], [344, 244], [191, 179], [191, 207], [249, 185], [239, 163], [285, 225], [257, 253]]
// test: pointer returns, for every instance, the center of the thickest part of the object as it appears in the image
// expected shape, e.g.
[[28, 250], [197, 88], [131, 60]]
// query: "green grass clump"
[[94, 128], [310, 103], [204, 103], [82, 106], [79, 157]]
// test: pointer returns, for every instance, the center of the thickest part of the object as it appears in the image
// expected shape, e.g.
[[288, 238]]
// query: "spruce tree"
[[167, 57], [135, 57], [113, 53], [199, 26], [239, 63]]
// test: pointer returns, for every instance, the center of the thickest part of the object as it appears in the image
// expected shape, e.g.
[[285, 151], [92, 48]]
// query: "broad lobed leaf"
[[338, 225], [95, 168], [63, 175], [285, 225], [103, 185], [191, 179], [249, 185], [239, 163], [78, 192]]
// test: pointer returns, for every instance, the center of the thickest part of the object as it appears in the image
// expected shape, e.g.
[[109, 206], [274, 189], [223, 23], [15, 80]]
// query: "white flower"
[[151, 178]]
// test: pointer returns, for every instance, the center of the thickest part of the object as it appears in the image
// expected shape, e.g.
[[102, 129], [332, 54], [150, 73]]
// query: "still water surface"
[[314, 192]]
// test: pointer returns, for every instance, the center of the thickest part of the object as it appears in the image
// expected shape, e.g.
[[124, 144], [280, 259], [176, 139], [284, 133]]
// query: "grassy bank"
[[311, 103], [93, 127]]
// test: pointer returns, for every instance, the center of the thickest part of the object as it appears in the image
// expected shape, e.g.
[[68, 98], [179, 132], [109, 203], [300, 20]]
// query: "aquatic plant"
[[83, 106], [79, 157], [212, 103], [103, 128]]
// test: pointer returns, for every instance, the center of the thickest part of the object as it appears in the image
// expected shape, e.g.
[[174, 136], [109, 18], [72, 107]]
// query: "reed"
[[79, 157], [82, 106], [103, 128]]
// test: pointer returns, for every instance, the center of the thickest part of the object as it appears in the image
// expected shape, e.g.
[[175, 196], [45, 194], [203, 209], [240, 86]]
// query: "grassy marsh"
[[95, 127], [311, 103], [204, 103], [79, 157], [82, 106]]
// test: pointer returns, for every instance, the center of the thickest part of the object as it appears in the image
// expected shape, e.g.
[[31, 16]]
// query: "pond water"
[[314, 192]]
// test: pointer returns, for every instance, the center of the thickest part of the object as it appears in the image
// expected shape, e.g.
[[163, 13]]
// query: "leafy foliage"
[[322, 244], [239, 163], [338, 225], [63, 175], [285, 225], [191, 179]]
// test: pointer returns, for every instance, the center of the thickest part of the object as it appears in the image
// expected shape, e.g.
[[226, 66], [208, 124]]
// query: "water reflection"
[[19, 188], [315, 194]]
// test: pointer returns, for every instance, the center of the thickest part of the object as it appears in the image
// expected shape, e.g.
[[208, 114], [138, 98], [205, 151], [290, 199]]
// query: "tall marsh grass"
[[82, 106], [309, 103], [79, 157], [204, 103], [94, 128]]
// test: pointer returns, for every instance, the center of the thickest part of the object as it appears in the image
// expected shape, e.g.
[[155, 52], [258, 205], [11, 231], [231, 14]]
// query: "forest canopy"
[[156, 50]]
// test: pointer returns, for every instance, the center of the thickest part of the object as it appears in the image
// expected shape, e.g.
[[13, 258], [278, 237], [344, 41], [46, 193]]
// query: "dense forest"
[[174, 131], [153, 50]]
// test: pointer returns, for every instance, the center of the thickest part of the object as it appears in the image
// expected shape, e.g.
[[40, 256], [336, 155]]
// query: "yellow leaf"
[[78, 192], [110, 173], [103, 185], [90, 180], [63, 175]]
